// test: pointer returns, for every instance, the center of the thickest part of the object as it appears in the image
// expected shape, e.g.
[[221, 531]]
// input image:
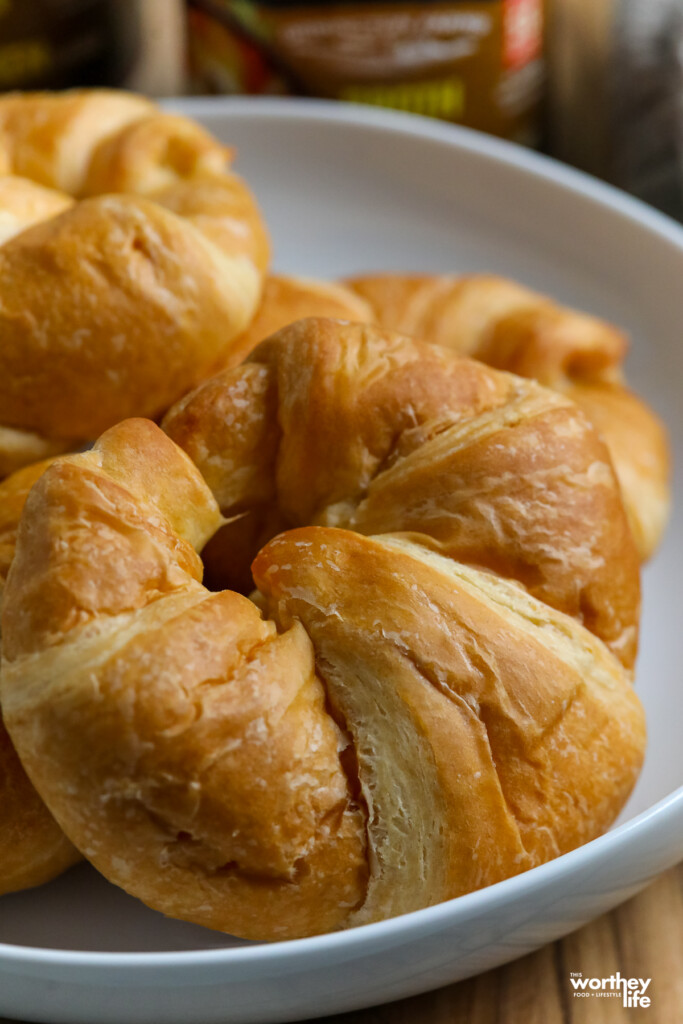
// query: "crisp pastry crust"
[[638, 444], [515, 329], [430, 689], [13, 494], [343, 425], [204, 764], [491, 733], [397, 728], [50, 137], [33, 848], [117, 303], [286, 299]]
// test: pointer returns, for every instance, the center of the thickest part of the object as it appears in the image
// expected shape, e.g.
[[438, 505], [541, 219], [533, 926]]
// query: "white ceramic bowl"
[[349, 189]]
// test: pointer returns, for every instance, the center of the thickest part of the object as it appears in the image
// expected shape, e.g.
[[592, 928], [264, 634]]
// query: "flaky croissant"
[[399, 729], [513, 328], [117, 303], [286, 299], [253, 775], [33, 848], [343, 425]]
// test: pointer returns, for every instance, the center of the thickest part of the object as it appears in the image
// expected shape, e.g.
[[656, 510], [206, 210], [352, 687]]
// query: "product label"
[[523, 31], [476, 62]]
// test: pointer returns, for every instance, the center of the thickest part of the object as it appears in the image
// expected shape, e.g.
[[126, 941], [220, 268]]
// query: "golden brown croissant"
[[286, 299], [119, 303], [345, 425], [33, 848], [239, 814], [515, 329], [401, 728]]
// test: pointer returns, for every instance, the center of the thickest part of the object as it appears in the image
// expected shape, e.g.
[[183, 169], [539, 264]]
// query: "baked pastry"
[[230, 704], [515, 329], [23, 203], [13, 493], [122, 301], [286, 299], [33, 848], [399, 728], [344, 425]]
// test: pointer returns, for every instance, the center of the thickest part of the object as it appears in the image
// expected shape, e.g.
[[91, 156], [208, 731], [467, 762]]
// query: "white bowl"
[[349, 189]]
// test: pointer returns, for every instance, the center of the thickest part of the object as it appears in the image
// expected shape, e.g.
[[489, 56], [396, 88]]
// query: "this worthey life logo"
[[633, 991]]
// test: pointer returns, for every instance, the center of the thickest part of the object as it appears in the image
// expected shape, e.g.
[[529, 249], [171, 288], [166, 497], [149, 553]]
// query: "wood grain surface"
[[643, 939]]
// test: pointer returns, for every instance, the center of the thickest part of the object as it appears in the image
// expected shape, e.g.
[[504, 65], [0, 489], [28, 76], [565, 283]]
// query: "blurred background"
[[596, 83]]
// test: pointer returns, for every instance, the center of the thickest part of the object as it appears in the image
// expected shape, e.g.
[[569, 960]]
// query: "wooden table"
[[643, 939]]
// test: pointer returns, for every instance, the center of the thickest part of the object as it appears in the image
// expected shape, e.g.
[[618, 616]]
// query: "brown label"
[[475, 62]]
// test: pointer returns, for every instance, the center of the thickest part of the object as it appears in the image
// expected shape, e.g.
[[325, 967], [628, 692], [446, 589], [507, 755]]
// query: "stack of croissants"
[[320, 601]]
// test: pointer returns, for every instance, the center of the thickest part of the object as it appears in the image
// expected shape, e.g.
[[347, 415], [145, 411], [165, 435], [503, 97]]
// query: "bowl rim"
[[455, 136], [411, 925]]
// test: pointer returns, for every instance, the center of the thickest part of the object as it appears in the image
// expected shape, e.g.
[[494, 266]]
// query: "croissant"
[[286, 299], [350, 426], [117, 303], [20, 807], [515, 329], [33, 848], [398, 725]]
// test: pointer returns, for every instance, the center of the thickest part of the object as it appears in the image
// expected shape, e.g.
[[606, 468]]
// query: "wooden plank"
[[643, 939]]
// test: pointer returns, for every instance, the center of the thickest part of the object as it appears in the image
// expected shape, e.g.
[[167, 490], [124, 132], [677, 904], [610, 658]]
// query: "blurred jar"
[[60, 43], [475, 62]]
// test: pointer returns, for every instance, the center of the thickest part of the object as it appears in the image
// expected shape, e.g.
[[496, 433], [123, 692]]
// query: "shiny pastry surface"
[[132, 256], [513, 328]]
